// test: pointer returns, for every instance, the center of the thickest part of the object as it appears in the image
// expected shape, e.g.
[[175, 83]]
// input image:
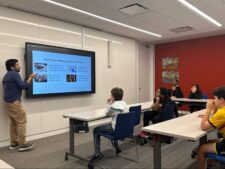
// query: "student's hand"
[[210, 105], [173, 97], [109, 100], [157, 98]]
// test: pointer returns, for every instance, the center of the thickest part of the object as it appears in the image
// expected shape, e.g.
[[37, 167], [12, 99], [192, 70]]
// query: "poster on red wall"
[[170, 63], [170, 76], [170, 71]]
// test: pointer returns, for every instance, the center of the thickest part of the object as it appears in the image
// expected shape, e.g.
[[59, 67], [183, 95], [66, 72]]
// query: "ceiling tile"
[[114, 4], [93, 8], [6, 2], [76, 3], [201, 4], [24, 4], [156, 4]]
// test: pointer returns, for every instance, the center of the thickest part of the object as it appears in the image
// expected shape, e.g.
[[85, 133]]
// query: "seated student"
[[155, 114], [114, 107], [214, 117], [175, 91], [195, 93]]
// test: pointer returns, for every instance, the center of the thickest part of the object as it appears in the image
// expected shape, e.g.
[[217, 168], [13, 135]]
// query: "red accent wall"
[[201, 61]]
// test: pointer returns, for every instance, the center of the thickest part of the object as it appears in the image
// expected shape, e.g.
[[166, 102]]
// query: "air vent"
[[182, 29], [133, 9]]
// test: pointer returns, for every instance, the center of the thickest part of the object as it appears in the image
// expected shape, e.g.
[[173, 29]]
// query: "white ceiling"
[[160, 18]]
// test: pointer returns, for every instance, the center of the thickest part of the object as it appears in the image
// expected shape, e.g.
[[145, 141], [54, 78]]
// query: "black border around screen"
[[29, 47]]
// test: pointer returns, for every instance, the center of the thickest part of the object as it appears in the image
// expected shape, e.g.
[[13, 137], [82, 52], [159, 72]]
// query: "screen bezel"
[[29, 47]]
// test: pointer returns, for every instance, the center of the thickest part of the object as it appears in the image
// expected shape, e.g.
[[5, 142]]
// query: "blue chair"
[[204, 96], [215, 157], [124, 129], [137, 114]]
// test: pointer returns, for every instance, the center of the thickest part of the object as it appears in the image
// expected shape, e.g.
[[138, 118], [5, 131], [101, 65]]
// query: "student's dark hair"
[[198, 88], [219, 92], [10, 63], [164, 91], [117, 93]]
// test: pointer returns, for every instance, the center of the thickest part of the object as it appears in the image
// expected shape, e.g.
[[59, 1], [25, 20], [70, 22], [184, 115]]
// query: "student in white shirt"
[[115, 106]]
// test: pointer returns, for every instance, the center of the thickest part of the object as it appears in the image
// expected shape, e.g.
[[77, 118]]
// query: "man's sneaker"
[[27, 146], [96, 157], [14, 146]]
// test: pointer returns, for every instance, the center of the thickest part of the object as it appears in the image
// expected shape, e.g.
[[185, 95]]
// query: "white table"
[[187, 100], [4, 165], [86, 117], [185, 127]]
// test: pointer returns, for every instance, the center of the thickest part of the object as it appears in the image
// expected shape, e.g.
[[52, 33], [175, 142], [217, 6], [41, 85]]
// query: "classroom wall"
[[200, 61], [45, 114]]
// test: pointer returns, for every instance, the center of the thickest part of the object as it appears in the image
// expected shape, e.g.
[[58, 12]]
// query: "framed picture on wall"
[[170, 63], [170, 76]]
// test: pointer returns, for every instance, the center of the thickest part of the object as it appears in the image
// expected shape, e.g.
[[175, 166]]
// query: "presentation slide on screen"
[[60, 73]]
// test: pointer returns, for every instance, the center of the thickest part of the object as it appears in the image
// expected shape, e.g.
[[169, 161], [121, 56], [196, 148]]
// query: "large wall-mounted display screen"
[[59, 71]]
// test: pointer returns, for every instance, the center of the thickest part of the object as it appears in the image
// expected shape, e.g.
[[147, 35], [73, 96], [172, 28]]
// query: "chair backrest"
[[216, 157], [204, 96], [124, 125], [168, 111], [137, 114]]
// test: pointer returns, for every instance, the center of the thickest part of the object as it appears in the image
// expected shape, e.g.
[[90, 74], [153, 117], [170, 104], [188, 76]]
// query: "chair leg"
[[135, 142]]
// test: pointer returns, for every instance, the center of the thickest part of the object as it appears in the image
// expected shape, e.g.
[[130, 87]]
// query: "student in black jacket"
[[175, 91], [195, 93], [156, 115]]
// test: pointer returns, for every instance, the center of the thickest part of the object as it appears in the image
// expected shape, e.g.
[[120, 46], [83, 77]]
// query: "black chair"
[[124, 129]]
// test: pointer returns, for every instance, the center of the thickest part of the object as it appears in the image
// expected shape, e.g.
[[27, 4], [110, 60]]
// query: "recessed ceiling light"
[[133, 9], [187, 4], [181, 29], [101, 18]]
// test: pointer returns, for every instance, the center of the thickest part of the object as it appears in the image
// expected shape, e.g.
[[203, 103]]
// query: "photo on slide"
[[40, 67], [71, 78], [40, 78]]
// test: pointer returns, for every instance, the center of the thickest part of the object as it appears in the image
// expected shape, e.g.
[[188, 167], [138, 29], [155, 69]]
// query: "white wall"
[[45, 114]]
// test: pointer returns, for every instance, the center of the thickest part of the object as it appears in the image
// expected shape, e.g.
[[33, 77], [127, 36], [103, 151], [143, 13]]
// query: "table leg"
[[71, 139], [72, 142], [203, 140], [157, 151]]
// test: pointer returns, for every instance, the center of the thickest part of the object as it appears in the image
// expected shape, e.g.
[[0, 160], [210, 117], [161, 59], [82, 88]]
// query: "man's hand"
[[32, 75], [29, 80]]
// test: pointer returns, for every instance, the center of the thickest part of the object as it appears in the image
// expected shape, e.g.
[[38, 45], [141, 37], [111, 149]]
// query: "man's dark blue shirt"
[[13, 86]]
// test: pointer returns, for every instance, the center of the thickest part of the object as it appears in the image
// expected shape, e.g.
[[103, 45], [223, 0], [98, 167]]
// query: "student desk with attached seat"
[[86, 117], [185, 127]]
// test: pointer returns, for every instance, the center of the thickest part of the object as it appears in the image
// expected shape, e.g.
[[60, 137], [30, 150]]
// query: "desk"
[[86, 117], [187, 100], [4, 165], [185, 127]]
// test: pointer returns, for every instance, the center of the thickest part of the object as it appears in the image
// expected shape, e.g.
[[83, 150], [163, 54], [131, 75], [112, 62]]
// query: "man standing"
[[13, 86]]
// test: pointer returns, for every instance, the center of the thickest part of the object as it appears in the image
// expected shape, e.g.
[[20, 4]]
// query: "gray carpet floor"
[[49, 153]]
